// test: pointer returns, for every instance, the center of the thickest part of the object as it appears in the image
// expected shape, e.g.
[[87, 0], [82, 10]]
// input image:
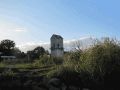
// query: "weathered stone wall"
[[57, 46], [57, 53]]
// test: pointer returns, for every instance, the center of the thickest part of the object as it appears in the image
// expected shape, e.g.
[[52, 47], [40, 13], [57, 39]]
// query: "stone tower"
[[57, 49]]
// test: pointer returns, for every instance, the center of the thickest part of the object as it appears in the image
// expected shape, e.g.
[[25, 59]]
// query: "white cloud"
[[21, 30], [68, 44]]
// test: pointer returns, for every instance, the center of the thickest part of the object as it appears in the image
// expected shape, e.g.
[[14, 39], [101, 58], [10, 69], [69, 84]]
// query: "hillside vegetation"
[[96, 68]]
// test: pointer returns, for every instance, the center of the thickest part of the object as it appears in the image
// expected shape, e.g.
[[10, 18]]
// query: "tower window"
[[58, 45], [54, 45]]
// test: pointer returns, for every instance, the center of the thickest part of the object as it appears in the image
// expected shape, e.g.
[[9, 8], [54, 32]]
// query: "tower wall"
[[57, 46]]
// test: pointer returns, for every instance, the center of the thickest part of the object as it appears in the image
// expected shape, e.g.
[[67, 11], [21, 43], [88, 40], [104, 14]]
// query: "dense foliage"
[[7, 47], [96, 68]]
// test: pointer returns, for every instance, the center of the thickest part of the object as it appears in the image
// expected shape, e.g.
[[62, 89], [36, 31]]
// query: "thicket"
[[97, 67]]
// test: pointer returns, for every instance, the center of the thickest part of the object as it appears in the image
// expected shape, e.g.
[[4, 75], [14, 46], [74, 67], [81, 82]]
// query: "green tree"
[[7, 46], [38, 52], [18, 53]]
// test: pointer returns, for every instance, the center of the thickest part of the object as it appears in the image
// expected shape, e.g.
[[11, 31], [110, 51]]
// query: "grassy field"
[[26, 69]]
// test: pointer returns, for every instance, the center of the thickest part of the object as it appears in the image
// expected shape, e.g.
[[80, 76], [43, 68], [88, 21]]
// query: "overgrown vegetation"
[[97, 67]]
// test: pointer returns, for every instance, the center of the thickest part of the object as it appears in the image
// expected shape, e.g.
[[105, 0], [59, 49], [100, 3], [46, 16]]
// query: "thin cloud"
[[20, 30], [68, 45]]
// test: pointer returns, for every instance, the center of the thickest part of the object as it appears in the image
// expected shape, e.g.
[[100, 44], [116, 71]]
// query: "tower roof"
[[57, 36]]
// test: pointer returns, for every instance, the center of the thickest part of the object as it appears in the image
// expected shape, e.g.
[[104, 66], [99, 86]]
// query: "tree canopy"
[[39, 51], [7, 46]]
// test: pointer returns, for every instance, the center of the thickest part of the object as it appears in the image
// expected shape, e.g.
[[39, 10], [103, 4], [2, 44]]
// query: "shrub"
[[8, 72], [100, 61], [47, 60]]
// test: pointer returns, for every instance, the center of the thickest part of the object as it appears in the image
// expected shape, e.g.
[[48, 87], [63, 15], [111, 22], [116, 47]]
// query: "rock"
[[56, 84], [39, 88], [86, 89]]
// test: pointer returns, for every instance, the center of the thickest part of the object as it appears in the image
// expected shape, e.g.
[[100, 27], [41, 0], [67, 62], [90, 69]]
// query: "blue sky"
[[36, 20]]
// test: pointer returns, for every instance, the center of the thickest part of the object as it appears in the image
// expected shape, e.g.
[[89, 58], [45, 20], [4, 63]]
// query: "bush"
[[100, 61], [8, 72], [47, 60], [68, 76]]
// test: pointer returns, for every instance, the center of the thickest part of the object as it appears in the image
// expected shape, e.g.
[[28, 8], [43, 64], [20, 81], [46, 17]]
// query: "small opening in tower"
[[58, 45], [54, 45]]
